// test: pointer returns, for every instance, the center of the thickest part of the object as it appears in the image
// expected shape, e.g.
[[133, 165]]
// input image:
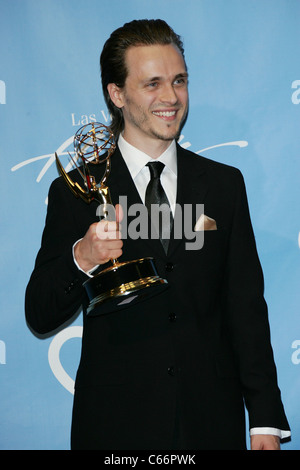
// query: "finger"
[[112, 227], [110, 252], [109, 226], [109, 235], [110, 245], [108, 230]]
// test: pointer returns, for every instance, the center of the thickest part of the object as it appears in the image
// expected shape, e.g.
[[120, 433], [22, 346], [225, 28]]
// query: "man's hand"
[[101, 243], [265, 442]]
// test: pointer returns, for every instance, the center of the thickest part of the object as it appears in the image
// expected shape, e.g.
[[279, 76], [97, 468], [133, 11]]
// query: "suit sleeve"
[[54, 292], [248, 321]]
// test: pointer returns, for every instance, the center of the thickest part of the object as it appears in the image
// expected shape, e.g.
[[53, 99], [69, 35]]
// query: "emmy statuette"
[[122, 283]]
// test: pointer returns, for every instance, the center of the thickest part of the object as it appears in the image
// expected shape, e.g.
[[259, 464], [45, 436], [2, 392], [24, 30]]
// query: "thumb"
[[119, 213]]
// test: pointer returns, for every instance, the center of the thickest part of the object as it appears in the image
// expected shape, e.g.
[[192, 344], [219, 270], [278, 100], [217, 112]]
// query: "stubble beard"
[[142, 122]]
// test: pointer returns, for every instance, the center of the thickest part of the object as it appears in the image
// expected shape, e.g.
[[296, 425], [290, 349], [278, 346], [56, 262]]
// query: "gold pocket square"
[[205, 223]]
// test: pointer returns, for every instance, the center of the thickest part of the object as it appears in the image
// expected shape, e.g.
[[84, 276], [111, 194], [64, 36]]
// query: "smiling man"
[[172, 372], [154, 100]]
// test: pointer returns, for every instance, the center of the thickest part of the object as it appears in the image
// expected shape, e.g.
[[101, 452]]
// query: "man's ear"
[[115, 94]]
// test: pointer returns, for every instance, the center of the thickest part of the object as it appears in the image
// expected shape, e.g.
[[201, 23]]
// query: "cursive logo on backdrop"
[[62, 150]]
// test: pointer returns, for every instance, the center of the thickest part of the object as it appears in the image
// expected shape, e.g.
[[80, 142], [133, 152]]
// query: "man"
[[174, 371]]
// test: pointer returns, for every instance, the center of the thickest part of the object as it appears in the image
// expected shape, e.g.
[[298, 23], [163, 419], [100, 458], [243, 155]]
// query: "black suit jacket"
[[175, 371]]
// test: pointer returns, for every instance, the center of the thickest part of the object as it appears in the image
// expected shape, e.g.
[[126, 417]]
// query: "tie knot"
[[155, 169]]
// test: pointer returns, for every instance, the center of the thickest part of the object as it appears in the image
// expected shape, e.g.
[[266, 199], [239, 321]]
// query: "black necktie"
[[160, 213]]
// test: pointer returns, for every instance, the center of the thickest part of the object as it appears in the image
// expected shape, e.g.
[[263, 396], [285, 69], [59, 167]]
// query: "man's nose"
[[168, 94]]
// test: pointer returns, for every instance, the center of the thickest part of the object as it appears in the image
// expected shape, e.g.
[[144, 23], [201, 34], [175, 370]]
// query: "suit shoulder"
[[212, 166]]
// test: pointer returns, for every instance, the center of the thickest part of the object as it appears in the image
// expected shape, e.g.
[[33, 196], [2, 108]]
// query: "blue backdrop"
[[243, 59]]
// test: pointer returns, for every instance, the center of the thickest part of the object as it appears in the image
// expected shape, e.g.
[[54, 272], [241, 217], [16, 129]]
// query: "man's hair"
[[112, 59]]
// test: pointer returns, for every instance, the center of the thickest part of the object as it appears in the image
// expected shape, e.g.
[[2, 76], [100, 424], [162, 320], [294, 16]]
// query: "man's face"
[[154, 99]]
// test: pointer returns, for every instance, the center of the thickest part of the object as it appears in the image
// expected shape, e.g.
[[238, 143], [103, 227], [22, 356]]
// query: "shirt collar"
[[136, 160]]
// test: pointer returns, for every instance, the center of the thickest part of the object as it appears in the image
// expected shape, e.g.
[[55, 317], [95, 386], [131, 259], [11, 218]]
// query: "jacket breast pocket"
[[204, 266], [202, 240], [214, 245]]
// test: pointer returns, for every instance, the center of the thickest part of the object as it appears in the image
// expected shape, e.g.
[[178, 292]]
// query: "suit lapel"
[[192, 188]]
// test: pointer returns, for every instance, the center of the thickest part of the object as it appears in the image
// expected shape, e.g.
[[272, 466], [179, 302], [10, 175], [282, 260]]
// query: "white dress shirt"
[[136, 161]]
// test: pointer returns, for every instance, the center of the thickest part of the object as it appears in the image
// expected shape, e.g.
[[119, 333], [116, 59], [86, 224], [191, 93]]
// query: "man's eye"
[[152, 84], [180, 81]]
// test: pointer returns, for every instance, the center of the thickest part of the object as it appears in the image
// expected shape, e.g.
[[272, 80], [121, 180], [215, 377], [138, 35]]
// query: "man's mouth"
[[165, 114]]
